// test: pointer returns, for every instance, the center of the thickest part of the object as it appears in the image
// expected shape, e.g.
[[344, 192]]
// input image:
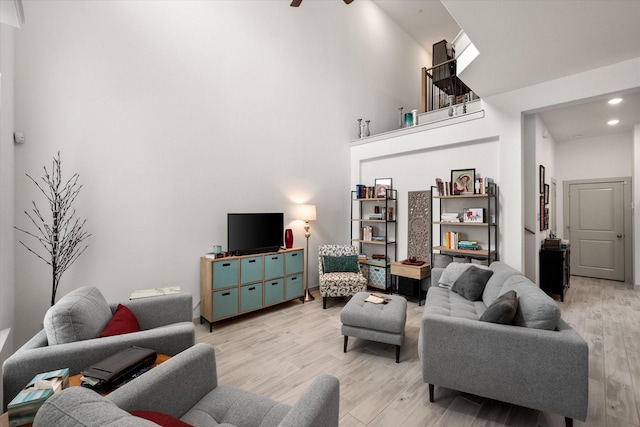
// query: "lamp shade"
[[306, 212]]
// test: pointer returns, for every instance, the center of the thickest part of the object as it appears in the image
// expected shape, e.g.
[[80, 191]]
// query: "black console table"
[[555, 269]]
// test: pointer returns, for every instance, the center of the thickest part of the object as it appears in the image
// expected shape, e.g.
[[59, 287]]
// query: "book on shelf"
[[450, 217], [451, 239], [366, 233], [377, 238], [468, 244], [375, 216]]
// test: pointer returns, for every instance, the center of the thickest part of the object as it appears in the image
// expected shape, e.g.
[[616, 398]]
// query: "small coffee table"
[[415, 272]]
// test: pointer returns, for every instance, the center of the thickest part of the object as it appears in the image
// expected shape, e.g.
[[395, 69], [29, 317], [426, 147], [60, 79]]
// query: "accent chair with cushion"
[[185, 389], [340, 274], [82, 328]]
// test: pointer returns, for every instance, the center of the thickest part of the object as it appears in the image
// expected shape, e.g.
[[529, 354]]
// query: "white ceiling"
[[526, 42]]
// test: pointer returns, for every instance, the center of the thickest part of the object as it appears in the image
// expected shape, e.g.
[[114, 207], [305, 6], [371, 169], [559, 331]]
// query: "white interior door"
[[596, 229]]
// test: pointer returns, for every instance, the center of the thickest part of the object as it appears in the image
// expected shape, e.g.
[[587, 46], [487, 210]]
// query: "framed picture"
[[542, 221], [463, 181], [472, 215], [541, 179], [546, 194], [381, 187]]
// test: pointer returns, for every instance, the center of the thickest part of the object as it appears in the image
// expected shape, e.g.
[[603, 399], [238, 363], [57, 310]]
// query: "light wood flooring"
[[278, 351]]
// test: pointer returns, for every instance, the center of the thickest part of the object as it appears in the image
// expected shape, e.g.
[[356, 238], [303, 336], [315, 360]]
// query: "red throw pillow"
[[161, 419], [122, 322]]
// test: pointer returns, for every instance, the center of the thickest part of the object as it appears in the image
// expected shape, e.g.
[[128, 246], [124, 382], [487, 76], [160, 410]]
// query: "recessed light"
[[615, 101], [613, 122]]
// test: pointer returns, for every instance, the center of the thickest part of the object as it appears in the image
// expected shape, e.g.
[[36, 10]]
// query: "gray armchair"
[[166, 325], [339, 283], [186, 387]]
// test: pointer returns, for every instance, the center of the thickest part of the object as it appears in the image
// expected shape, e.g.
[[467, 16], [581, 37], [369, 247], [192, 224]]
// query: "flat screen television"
[[253, 233]]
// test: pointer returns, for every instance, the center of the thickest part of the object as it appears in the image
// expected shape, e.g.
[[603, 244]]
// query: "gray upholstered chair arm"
[[319, 406], [173, 387], [535, 368], [162, 310], [435, 275], [19, 368]]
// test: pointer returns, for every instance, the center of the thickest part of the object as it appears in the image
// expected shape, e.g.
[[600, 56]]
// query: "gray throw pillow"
[[340, 264], [502, 310], [79, 315], [471, 283]]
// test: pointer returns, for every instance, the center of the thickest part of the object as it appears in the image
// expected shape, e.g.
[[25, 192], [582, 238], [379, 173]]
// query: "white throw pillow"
[[453, 271]]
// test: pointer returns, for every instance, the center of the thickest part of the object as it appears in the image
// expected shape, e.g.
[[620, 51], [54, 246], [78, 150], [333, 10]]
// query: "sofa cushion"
[[536, 309], [80, 315], [122, 322], [340, 264], [453, 271], [501, 272], [471, 283], [442, 301], [502, 310], [159, 418]]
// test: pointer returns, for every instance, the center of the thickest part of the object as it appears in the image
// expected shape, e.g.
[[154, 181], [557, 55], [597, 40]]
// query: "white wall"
[[7, 283], [175, 113], [636, 212]]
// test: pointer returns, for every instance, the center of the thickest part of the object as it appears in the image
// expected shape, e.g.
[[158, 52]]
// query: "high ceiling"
[[526, 42]]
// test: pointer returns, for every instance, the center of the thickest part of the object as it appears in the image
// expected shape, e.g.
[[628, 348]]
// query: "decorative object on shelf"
[[62, 237], [307, 213], [419, 242], [414, 117], [216, 249], [288, 238], [360, 129], [366, 131], [462, 181], [400, 117], [542, 177], [472, 215], [382, 185], [451, 108], [408, 120]]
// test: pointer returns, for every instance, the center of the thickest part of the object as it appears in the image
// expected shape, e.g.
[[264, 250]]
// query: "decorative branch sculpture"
[[62, 237]]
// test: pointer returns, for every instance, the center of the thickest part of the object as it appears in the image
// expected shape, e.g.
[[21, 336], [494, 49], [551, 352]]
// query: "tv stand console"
[[235, 285]]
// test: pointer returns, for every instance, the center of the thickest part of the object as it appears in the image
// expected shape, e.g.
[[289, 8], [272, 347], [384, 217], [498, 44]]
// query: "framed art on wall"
[[462, 181], [542, 179], [381, 187], [546, 194]]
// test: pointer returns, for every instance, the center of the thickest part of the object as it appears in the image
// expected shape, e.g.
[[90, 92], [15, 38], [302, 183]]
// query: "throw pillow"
[[502, 310], [340, 264], [122, 322], [453, 271], [79, 315], [471, 283], [160, 418]]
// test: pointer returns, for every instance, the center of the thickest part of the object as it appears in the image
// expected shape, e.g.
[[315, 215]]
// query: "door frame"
[[627, 216]]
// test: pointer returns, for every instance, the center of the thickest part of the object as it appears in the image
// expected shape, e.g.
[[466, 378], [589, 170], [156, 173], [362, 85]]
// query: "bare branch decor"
[[60, 235]]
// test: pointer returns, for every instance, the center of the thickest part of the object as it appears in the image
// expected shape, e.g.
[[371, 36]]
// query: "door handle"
[[619, 236]]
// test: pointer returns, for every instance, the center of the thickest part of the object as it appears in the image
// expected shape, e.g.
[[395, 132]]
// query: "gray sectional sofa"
[[537, 360], [186, 388]]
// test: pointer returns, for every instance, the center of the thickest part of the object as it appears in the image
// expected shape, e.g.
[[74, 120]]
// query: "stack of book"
[[451, 239], [22, 409], [450, 217], [375, 216], [468, 244]]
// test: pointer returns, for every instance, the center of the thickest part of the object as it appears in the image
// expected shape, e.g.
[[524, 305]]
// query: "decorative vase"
[[366, 132], [360, 129], [288, 238], [401, 117]]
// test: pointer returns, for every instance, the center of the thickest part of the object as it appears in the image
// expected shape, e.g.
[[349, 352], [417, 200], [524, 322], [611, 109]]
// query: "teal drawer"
[[273, 291], [293, 286], [379, 277], [250, 297], [273, 266], [225, 303], [251, 269], [225, 273], [294, 261]]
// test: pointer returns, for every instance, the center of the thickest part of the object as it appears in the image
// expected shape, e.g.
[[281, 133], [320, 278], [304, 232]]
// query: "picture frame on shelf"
[[473, 215], [462, 181], [546, 194], [542, 178], [381, 187]]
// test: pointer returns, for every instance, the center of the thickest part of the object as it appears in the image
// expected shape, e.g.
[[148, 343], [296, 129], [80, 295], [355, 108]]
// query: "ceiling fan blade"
[[348, 1], [295, 3]]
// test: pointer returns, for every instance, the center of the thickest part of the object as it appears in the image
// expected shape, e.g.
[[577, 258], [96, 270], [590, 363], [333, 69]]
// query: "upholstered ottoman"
[[375, 322]]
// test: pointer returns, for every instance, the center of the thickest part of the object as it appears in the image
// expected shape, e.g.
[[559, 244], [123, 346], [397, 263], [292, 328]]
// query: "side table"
[[416, 273]]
